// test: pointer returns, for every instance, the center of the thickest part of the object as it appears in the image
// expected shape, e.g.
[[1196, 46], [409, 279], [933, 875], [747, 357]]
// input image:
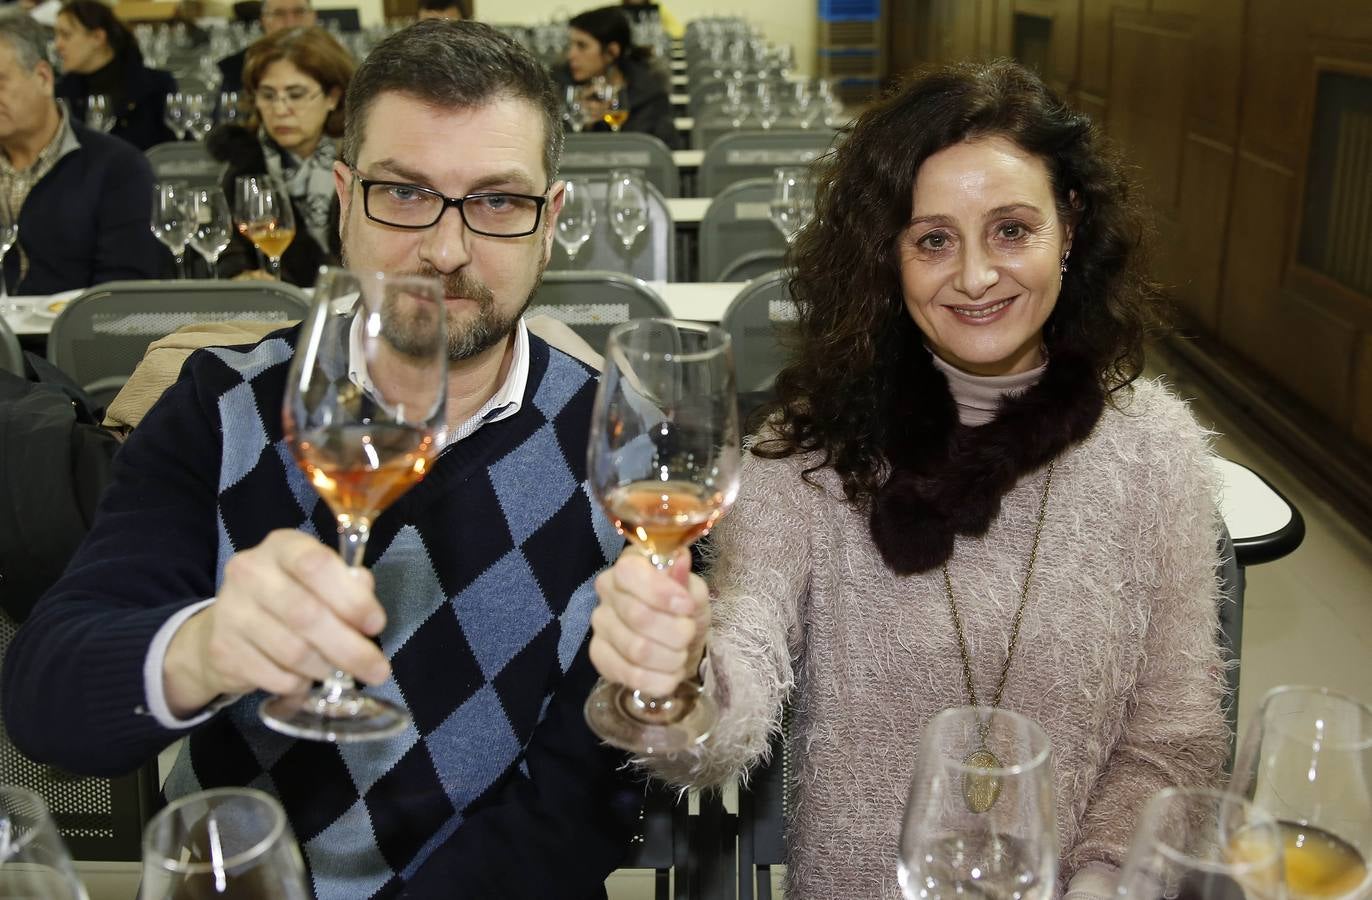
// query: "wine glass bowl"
[[793, 201], [264, 215], [173, 219], [364, 416], [1202, 844], [576, 221], [9, 236], [663, 461], [1306, 758], [212, 225], [34, 861], [980, 820], [616, 106], [228, 842], [627, 205]]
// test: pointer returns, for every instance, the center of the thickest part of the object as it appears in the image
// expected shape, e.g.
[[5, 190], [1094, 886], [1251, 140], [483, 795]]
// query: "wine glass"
[[213, 225], [175, 114], [9, 236], [616, 109], [576, 222], [1306, 758], [227, 842], [572, 110], [33, 860], [266, 217], [172, 219], [979, 821], [1200, 844], [767, 106], [793, 201], [229, 108], [627, 205], [199, 115], [364, 417], [663, 461], [100, 113]]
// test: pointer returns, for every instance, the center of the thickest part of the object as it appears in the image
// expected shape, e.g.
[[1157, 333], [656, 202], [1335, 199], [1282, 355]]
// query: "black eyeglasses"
[[493, 214]]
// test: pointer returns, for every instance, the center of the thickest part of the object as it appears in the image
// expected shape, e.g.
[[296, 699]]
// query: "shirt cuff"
[[1093, 881], [153, 687]]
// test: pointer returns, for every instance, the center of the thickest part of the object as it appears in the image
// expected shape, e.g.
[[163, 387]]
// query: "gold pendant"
[[980, 790]]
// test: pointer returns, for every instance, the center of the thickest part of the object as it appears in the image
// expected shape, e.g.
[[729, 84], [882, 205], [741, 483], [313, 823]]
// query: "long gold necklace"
[[980, 790]]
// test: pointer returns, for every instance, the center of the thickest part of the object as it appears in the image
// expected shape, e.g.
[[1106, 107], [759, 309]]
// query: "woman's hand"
[[650, 626]]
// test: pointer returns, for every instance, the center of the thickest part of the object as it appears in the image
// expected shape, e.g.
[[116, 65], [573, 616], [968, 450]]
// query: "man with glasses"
[[209, 576], [276, 15]]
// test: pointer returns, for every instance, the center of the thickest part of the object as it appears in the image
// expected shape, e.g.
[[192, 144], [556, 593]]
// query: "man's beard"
[[469, 338]]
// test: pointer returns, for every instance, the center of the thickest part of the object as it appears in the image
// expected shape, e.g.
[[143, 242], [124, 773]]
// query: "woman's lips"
[[983, 312]]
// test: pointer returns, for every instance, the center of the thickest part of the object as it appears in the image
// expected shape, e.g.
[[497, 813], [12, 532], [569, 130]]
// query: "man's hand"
[[650, 626], [289, 612]]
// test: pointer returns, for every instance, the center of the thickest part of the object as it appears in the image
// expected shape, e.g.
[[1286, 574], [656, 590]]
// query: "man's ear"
[[550, 214], [342, 185]]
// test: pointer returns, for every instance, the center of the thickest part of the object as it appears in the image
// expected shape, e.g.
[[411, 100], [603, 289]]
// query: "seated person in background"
[[84, 199], [600, 45], [297, 80], [457, 10], [965, 484], [275, 16], [209, 574], [101, 56]]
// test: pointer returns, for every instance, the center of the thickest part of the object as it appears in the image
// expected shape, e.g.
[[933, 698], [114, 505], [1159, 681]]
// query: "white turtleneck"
[[978, 396]]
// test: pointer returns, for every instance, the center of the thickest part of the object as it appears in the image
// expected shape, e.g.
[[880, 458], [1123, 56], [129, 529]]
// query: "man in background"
[[276, 16]]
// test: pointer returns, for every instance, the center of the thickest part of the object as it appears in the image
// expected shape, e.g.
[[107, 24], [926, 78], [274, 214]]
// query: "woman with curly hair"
[[965, 485]]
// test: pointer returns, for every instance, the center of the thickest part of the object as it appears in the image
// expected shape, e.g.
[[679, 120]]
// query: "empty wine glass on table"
[[793, 201], [172, 219], [979, 821], [576, 222], [364, 417], [572, 111], [663, 461], [626, 204], [9, 236], [227, 842], [199, 115], [266, 217], [175, 114], [1200, 844], [34, 863], [213, 226], [229, 108], [1306, 758], [99, 113]]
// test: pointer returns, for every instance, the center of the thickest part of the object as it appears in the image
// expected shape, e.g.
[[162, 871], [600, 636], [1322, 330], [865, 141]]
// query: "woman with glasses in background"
[[99, 56], [297, 80]]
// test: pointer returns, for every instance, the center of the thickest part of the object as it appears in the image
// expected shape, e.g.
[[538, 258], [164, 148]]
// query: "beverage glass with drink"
[[663, 460], [264, 215]]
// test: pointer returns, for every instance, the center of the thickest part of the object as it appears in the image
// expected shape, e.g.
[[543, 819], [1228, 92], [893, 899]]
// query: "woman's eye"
[[1012, 230], [934, 241]]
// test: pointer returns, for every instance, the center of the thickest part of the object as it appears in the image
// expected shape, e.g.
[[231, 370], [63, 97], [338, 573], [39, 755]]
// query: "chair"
[[653, 255], [754, 321], [755, 154], [11, 356], [597, 154], [186, 161], [663, 843], [592, 303], [98, 818], [102, 334], [753, 264], [738, 224]]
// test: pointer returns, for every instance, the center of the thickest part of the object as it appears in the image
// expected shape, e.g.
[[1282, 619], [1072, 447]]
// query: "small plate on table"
[[50, 307]]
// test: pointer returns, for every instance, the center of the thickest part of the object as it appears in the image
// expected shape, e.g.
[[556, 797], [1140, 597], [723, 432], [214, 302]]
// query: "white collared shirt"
[[505, 402]]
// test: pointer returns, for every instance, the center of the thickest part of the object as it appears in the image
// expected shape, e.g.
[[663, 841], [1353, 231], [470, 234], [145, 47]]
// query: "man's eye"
[[496, 202], [402, 194]]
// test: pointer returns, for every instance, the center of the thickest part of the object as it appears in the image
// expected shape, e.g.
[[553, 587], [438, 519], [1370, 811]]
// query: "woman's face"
[[586, 56], [980, 261], [293, 106], [81, 50]]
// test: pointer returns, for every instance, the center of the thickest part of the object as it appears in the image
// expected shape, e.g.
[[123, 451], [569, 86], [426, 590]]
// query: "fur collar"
[[947, 479]]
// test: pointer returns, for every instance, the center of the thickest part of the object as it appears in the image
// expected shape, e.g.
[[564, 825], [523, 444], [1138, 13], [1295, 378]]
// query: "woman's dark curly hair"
[[855, 340]]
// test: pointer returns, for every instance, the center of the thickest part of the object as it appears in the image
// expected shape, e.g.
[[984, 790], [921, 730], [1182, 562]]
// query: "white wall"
[[782, 21]]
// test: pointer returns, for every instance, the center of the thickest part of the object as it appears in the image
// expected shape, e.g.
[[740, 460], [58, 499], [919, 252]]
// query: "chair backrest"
[[11, 357], [753, 264], [652, 257], [592, 303], [186, 161], [663, 842], [98, 818], [102, 334], [737, 223], [597, 154], [755, 321], [755, 154], [762, 809]]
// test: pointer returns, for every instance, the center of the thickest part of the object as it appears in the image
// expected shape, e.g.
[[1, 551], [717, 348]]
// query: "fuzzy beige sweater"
[[1118, 658]]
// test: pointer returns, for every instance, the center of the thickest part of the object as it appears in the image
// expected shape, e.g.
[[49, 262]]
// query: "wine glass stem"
[[352, 546], [275, 263], [180, 264]]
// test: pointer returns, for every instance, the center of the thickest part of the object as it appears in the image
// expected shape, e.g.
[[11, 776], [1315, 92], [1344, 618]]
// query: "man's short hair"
[[27, 39], [454, 65]]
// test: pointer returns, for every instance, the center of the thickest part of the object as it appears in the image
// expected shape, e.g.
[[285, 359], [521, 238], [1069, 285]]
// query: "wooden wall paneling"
[[1093, 65], [1362, 392], [902, 35], [1202, 217]]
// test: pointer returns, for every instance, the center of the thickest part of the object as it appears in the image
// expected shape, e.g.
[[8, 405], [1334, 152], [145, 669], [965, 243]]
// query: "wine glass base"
[[352, 719], [647, 727]]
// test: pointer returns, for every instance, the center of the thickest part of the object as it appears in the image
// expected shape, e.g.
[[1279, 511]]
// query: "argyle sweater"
[[498, 789]]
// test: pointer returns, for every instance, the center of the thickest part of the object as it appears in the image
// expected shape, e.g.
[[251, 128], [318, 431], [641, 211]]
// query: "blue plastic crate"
[[849, 10]]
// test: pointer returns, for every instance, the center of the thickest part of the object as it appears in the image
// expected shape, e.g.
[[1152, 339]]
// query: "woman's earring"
[[1064, 261]]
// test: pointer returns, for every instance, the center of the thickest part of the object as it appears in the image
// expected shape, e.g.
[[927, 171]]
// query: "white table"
[[687, 210], [700, 301], [688, 159], [1262, 523], [684, 124], [680, 81]]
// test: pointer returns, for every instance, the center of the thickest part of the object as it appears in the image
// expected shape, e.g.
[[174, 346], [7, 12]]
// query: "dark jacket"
[[141, 109], [650, 104], [88, 220], [231, 68], [300, 264]]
